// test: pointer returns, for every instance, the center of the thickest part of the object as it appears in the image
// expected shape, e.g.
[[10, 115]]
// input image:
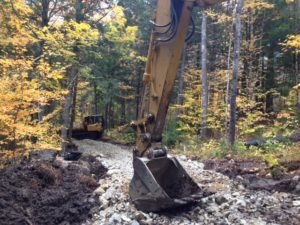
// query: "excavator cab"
[[159, 181]]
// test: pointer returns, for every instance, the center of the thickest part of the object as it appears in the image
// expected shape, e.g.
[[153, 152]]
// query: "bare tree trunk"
[[74, 97], [138, 95], [45, 23], [123, 110], [204, 75], [296, 68], [236, 56], [111, 114], [106, 125], [96, 110], [297, 9], [227, 84], [68, 109], [181, 81]]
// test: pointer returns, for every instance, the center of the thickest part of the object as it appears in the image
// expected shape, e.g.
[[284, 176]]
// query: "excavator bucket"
[[161, 183]]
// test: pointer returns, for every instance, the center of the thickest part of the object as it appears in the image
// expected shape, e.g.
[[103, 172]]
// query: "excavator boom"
[[159, 181]]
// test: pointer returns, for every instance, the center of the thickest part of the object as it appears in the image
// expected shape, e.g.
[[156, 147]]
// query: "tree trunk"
[[45, 23], [68, 109], [96, 109], [73, 114], [227, 83], [296, 68], [123, 110], [106, 125], [111, 116], [204, 75], [181, 81], [236, 56]]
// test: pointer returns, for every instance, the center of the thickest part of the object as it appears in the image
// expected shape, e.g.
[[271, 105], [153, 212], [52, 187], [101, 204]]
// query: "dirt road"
[[112, 156]]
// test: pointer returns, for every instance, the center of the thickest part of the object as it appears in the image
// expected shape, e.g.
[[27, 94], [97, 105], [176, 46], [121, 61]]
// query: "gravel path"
[[113, 156], [232, 204]]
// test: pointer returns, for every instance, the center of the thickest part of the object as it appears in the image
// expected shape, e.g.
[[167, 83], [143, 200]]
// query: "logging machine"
[[159, 181]]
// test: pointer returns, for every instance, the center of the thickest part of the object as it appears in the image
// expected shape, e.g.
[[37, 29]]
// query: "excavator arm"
[[170, 31], [159, 181]]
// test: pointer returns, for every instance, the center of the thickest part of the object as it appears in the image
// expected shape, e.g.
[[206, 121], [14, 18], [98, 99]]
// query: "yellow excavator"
[[159, 181]]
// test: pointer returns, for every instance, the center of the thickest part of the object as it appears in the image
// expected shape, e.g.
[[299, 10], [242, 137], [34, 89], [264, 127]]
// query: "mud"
[[257, 175], [46, 189]]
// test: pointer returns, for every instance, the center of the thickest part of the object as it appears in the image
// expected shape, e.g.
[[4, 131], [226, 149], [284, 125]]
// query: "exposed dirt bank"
[[47, 190], [257, 175]]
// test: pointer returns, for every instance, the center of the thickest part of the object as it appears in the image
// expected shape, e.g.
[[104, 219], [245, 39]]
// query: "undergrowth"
[[126, 136], [270, 151]]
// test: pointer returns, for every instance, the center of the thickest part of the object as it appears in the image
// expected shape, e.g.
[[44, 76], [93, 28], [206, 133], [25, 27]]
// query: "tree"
[[204, 75], [236, 56], [20, 93]]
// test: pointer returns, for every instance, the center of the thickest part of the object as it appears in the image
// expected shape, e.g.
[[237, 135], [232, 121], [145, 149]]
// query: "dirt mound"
[[257, 175], [48, 190]]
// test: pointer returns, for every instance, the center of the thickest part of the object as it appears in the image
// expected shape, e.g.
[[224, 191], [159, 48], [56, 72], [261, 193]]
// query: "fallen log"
[[257, 142]]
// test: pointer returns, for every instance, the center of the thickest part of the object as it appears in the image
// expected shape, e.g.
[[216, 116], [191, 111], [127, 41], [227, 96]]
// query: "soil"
[[45, 189], [257, 175]]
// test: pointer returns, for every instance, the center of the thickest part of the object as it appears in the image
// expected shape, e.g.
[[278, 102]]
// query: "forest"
[[237, 90], [149, 112]]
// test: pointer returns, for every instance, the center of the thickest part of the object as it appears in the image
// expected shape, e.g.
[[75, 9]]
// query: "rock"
[[200, 166], [103, 202], [99, 190], [243, 222], [91, 200], [139, 215], [61, 162], [115, 218], [236, 194], [134, 222], [183, 157], [296, 203], [241, 203], [125, 218], [297, 189], [212, 208], [239, 178], [113, 171], [99, 158], [296, 178], [146, 222], [258, 221], [241, 187], [220, 199]]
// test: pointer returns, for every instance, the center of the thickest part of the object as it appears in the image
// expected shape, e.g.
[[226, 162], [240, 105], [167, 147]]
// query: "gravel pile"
[[231, 204]]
